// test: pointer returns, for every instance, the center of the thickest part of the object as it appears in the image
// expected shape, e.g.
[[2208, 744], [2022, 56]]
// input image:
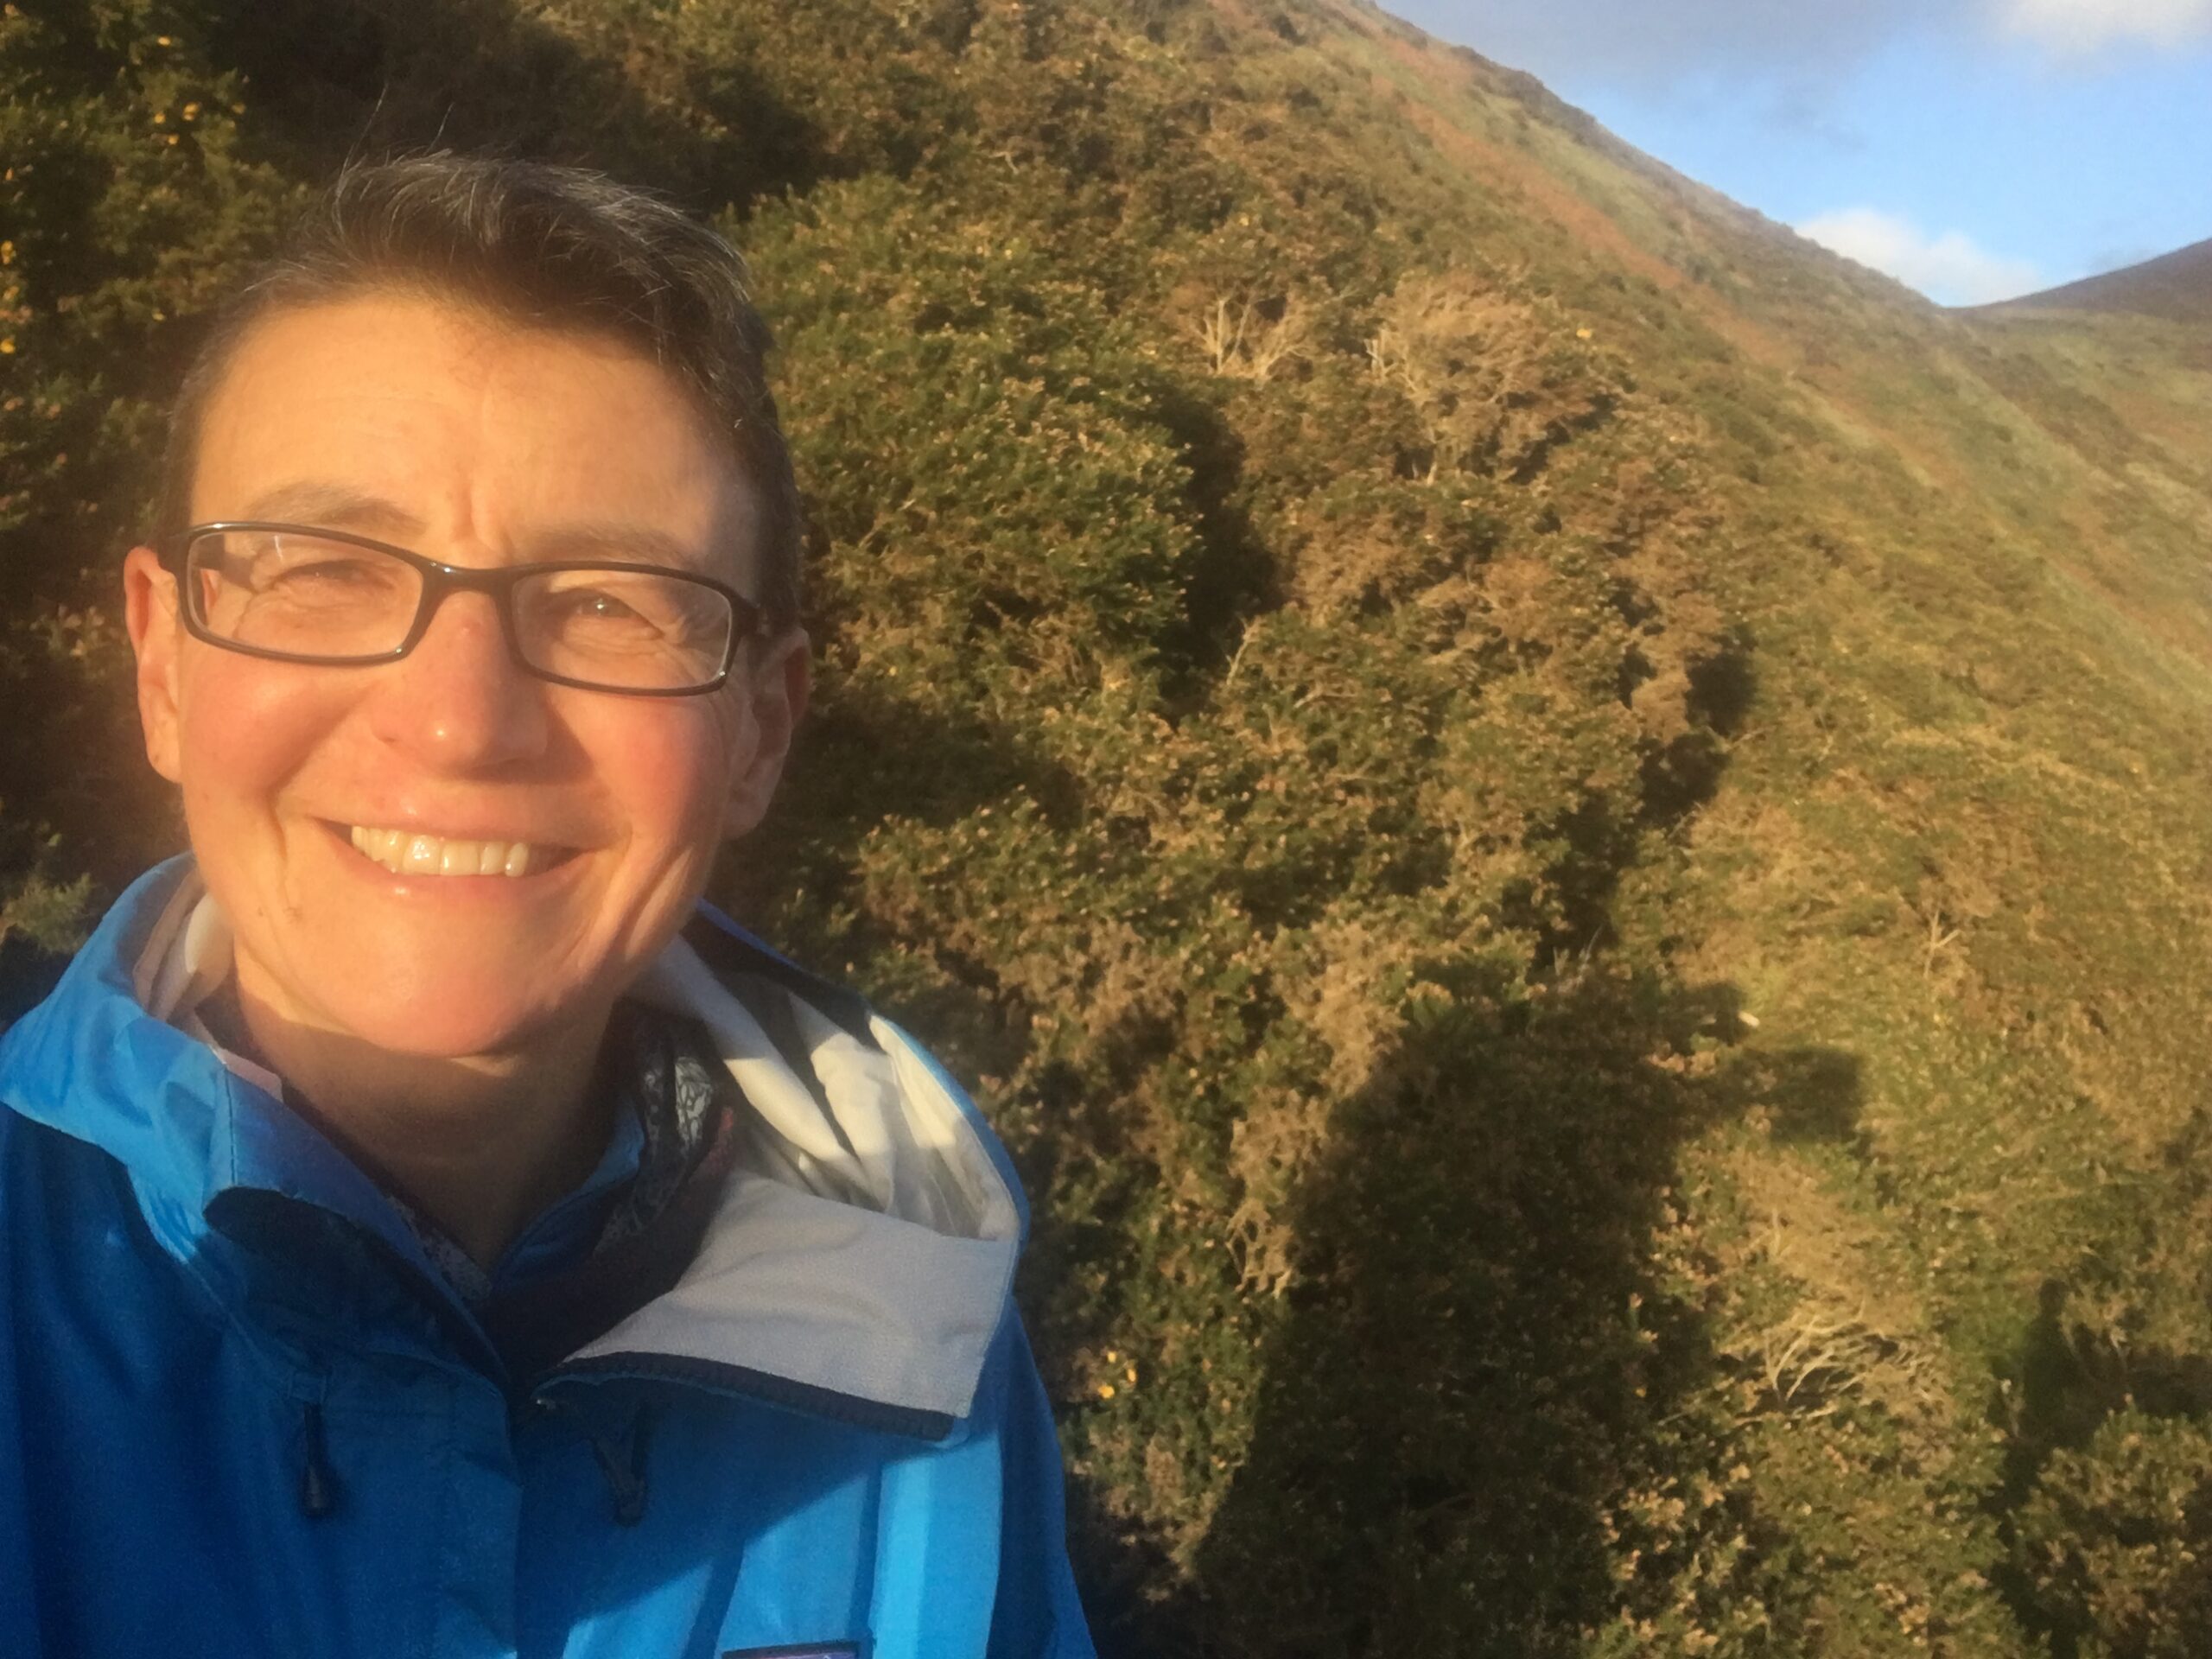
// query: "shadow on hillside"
[[2071, 1373], [1232, 578], [1483, 1361], [1482, 1358], [1815, 1095], [2063, 1382], [1678, 777]]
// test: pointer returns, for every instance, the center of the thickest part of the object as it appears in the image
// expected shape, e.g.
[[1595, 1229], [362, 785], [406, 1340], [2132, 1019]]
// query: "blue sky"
[[1974, 149]]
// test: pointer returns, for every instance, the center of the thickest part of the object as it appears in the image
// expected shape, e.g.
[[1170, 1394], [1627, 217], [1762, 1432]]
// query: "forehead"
[[466, 427]]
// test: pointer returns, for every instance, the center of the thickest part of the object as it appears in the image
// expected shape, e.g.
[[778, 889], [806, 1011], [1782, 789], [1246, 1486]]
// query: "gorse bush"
[[2116, 1540], [1571, 888]]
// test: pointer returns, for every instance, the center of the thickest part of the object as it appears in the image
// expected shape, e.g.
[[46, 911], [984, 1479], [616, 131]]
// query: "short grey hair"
[[545, 246]]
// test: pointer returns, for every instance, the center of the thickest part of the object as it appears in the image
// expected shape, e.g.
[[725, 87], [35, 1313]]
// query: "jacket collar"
[[862, 1253], [189, 1121]]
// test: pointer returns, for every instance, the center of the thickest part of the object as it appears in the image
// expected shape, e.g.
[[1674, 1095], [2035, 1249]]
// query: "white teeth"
[[406, 853]]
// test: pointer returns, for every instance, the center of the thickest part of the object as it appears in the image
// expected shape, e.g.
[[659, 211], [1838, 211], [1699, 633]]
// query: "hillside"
[[2175, 286], [1568, 836]]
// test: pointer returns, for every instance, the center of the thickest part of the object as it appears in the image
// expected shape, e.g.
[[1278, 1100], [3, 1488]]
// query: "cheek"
[[244, 728], [669, 768]]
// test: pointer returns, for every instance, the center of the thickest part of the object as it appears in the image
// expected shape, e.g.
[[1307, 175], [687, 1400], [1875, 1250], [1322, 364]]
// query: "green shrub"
[[2115, 1541]]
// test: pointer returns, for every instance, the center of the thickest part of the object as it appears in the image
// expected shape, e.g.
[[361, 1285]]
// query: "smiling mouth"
[[407, 852]]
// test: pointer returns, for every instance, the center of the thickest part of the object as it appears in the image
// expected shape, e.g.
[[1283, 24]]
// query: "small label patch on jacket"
[[804, 1650]]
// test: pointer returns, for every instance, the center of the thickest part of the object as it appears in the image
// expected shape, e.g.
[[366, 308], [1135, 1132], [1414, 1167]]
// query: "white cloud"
[[2077, 28], [1949, 268]]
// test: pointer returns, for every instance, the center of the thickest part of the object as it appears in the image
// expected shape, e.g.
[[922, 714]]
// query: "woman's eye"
[[588, 605], [324, 576], [324, 570], [613, 611]]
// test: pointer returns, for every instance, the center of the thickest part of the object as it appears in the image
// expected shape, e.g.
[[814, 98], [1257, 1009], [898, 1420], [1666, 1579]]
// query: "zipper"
[[738, 1382]]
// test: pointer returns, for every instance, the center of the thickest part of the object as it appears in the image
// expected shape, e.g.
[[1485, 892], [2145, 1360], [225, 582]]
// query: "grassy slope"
[[1955, 865]]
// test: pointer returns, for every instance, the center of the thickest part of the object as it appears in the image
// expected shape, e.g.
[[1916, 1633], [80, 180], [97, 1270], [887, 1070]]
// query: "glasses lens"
[[302, 595], [626, 629]]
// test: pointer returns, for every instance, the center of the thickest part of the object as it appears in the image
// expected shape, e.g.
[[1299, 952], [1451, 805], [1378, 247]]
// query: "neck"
[[482, 1143]]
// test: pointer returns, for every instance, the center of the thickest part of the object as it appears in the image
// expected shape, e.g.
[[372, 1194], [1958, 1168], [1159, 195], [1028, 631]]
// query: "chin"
[[448, 1026]]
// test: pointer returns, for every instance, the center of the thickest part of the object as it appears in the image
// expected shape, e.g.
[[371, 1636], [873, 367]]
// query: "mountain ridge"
[[2175, 286]]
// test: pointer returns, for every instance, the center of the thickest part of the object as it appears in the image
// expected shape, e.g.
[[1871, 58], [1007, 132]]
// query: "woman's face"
[[477, 444]]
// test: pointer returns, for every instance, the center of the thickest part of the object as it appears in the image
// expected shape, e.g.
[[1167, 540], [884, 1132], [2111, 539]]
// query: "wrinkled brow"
[[339, 506], [336, 506], [617, 539]]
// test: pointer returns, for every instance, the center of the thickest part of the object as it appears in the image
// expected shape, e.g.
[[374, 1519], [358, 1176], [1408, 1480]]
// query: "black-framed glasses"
[[298, 593]]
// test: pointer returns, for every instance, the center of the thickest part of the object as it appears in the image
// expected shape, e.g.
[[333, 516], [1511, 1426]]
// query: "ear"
[[776, 684], [149, 615]]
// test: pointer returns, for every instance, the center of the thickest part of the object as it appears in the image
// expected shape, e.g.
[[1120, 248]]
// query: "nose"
[[458, 701]]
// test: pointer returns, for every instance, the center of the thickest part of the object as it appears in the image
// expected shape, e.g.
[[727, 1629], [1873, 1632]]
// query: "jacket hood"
[[860, 1258]]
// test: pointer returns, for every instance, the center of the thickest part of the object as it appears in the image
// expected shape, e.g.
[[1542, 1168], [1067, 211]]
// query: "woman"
[[427, 1228]]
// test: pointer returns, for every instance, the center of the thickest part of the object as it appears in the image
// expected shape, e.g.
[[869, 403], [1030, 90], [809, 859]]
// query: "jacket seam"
[[910, 1422]]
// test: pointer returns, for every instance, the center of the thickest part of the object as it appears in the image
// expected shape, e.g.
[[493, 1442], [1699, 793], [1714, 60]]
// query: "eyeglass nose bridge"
[[441, 581]]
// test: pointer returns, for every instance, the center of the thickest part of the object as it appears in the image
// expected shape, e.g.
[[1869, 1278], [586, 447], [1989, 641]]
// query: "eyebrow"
[[615, 539], [339, 506]]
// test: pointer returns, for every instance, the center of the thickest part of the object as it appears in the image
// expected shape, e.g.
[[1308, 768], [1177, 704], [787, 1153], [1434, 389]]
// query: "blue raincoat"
[[242, 1413]]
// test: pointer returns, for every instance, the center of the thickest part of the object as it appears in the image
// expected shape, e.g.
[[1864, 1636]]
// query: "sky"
[[1974, 149]]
